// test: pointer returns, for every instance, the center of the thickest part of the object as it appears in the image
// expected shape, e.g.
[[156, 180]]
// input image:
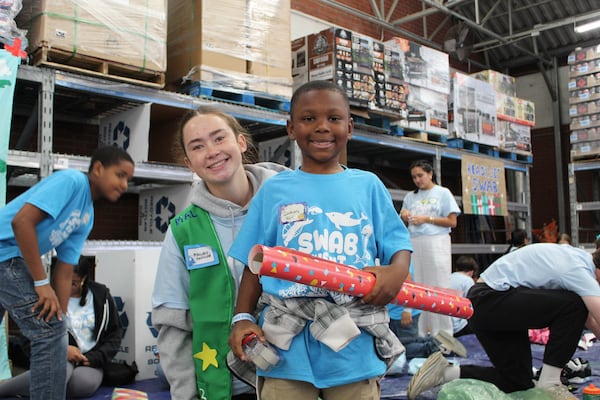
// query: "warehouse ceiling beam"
[[426, 12], [382, 23], [485, 31], [536, 30], [378, 13], [544, 72], [391, 11], [559, 51]]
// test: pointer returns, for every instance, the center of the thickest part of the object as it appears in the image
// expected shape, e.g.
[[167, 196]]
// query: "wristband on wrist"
[[42, 282], [243, 317], [431, 220]]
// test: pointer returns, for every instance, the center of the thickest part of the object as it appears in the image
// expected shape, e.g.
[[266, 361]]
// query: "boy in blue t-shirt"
[[55, 214], [330, 211]]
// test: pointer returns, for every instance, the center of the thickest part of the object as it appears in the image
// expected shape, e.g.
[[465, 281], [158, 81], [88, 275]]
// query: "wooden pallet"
[[426, 137], [473, 147], [584, 156], [86, 65], [238, 96], [517, 156], [371, 123]]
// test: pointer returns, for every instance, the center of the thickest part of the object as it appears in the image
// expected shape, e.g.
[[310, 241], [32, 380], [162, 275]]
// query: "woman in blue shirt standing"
[[430, 212]]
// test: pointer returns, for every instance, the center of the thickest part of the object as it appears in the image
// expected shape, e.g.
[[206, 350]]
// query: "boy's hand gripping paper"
[[294, 266]]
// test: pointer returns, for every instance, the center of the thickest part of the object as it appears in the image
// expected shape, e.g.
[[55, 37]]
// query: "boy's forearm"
[[26, 237], [249, 293], [62, 275], [400, 262]]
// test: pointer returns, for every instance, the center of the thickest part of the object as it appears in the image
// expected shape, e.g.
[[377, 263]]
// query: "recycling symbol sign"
[[122, 314], [121, 135], [163, 206], [153, 330]]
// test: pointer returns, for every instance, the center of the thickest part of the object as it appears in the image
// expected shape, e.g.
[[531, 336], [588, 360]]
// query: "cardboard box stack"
[[248, 50], [515, 116], [472, 110], [395, 84], [132, 33], [130, 274], [329, 55], [584, 101], [426, 74], [128, 130], [157, 206], [369, 72]]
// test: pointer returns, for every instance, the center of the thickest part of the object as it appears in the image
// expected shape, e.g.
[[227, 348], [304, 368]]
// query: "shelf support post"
[[45, 113]]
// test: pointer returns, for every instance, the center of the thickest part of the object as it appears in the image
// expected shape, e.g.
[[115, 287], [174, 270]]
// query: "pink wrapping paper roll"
[[294, 266]]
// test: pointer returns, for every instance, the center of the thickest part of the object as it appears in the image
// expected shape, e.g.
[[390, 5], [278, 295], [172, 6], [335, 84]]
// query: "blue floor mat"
[[394, 387]]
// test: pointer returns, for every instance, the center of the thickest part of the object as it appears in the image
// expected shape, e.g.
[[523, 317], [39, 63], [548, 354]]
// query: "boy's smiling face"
[[321, 125]]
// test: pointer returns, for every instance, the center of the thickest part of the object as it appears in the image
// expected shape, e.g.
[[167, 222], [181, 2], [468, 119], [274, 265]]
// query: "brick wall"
[[347, 20]]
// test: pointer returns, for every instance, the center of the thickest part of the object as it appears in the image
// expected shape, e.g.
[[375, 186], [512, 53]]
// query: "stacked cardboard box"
[[132, 33], [425, 80], [395, 85], [515, 116], [584, 101], [501, 83], [130, 275], [248, 50], [472, 110], [368, 70], [329, 55], [157, 206]]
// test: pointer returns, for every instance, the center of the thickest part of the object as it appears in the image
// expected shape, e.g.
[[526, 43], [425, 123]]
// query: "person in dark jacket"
[[95, 335]]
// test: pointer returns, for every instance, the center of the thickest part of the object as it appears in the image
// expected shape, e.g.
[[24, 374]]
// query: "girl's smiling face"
[[213, 150]]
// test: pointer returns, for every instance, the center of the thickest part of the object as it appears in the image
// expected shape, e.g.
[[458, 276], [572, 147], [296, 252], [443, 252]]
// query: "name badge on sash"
[[200, 256]]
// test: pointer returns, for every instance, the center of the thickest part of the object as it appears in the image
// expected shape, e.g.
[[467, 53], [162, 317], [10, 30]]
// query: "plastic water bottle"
[[262, 355], [591, 392]]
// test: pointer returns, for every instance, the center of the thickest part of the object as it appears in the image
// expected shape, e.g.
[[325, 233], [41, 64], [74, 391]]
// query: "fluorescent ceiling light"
[[588, 26]]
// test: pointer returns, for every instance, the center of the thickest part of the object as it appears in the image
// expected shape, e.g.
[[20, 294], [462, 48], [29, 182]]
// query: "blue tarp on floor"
[[394, 387]]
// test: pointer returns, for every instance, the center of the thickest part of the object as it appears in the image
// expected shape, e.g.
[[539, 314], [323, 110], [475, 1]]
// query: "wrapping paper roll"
[[294, 266]]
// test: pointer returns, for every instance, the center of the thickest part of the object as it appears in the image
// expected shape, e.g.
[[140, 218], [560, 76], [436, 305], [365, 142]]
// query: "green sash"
[[212, 294]]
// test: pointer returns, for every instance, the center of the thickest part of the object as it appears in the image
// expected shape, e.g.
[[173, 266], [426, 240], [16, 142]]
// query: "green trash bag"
[[473, 389]]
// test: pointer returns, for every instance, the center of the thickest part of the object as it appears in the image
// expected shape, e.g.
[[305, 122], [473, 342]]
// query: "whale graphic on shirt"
[[292, 230], [339, 219]]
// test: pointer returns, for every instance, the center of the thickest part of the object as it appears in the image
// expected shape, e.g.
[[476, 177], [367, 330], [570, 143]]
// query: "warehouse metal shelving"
[[50, 87], [580, 206]]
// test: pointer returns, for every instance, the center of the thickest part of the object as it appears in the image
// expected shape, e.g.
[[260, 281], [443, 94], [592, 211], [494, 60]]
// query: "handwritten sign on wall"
[[484, 186]]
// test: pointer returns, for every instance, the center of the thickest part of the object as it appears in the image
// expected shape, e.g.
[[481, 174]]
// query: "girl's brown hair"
[[249, 157]]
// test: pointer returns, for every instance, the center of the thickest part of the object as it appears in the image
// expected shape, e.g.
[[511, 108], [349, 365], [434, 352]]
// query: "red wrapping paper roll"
[[294, 266]]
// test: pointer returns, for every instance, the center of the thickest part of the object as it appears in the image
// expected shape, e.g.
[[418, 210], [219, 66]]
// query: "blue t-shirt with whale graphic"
[[349, 218]]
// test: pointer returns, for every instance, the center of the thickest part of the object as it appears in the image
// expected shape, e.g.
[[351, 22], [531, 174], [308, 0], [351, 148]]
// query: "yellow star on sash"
[[208, 357]]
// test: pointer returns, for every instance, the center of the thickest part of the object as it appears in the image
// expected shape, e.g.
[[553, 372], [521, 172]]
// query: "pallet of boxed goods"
[[585, 150], [116, 40], [584, 54], [585, 134], [247, 50]]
